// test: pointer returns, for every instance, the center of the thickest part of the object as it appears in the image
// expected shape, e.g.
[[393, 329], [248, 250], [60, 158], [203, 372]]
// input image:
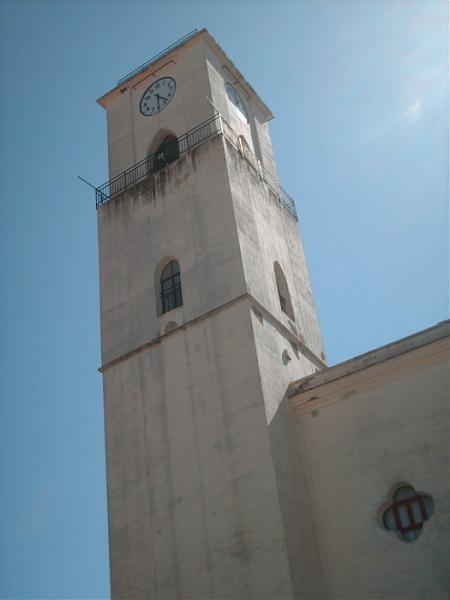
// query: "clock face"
[[157, 96], [237, 102]]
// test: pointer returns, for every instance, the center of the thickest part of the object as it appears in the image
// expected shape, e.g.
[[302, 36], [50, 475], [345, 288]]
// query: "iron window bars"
[[408, 513], [171, 294]]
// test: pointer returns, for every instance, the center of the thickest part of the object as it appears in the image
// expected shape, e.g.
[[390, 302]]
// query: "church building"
[[238, 464]]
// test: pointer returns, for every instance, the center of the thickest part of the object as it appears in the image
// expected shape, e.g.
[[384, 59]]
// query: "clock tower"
[[206, 317]]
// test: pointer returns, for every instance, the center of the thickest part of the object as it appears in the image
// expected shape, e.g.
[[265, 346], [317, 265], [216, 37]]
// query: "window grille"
[[283, 302], [408, 512], [171, 294]]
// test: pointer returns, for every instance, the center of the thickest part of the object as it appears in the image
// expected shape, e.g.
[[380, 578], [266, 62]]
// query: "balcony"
[[216, 125]]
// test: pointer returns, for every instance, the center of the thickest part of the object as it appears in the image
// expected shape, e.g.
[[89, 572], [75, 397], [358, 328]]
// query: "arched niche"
[[283, 291], [163, 150]]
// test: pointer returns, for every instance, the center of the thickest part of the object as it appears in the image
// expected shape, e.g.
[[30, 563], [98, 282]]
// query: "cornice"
[[369, 377], [246, 296], [421, 338], [171, 56]]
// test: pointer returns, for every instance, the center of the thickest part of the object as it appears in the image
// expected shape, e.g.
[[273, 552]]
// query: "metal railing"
[[286, 200], [151, 163], [213, 126], [158, 56]]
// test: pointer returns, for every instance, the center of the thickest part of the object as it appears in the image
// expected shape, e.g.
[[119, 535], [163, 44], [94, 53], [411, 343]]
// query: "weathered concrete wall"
[[193, 503], [268, 233], [184, 211], [358, 447], [289, 463], [207, 495], [194, 506]]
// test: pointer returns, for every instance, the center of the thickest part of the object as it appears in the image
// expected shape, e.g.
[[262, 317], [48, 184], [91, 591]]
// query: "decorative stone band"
[[307, 352]]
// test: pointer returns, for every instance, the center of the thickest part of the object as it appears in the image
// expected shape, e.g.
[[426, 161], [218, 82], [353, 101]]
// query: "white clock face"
[[237, 102], [157, 96]]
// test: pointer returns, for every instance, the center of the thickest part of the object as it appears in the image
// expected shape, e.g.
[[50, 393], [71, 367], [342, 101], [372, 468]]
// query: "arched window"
[[170, 287], [283, 291], [167, 151]]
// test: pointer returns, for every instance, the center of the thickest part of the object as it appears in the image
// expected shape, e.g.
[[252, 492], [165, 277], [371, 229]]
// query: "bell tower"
[[207, 315]]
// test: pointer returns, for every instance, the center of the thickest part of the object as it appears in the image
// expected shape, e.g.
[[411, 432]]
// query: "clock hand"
[[162, 97]]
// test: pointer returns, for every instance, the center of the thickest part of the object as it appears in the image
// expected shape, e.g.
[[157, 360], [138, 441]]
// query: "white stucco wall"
[[357, 449], [183, 211], [268, 233], [289, 464]]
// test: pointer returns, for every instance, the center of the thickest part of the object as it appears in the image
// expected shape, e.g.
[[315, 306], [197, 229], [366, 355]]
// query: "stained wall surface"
[[193, 503], [289, 463], [267, 232], [184, 212]]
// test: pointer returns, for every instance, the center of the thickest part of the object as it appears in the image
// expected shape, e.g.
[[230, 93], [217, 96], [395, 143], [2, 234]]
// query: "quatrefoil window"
[[408, 512]]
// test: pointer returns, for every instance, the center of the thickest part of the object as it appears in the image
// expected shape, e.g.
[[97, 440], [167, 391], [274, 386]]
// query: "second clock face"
[[237, 102], [157, 96]]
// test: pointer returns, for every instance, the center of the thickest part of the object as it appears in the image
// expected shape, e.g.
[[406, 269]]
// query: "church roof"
[[370, 359], [193, 37]]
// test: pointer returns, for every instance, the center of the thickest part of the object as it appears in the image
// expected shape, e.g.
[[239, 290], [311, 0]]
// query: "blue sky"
[[359, 92]]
